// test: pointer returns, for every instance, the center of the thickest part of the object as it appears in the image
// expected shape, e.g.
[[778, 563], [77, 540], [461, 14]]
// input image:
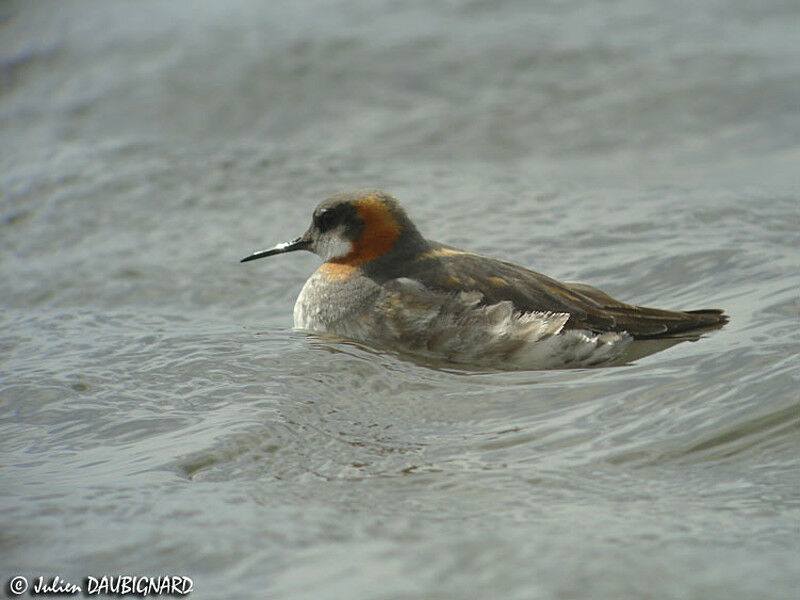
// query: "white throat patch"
[[331, 245]]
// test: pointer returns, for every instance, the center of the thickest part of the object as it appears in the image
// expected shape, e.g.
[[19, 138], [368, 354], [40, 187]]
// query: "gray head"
[[353, 228]]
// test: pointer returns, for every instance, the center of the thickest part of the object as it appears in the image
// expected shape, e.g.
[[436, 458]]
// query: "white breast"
[[404, 315], [335, 306]]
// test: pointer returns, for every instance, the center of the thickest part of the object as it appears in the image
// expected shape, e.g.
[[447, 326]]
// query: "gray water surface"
[[159, 415]]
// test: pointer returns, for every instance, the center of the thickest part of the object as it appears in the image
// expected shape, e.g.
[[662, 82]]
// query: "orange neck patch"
[[381, 231], [337, 271]]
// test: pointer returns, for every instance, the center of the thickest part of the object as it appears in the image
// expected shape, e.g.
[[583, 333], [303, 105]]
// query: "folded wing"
[[447, 269]]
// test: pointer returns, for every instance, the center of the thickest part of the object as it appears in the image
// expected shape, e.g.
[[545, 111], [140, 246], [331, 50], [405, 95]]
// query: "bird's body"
[[383, 283]]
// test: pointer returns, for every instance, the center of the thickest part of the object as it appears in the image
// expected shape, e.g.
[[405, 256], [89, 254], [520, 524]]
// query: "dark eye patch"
[[326, 219]]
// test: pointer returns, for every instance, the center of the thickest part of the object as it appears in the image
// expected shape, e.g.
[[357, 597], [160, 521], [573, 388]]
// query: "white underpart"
[[460, 330], [332, 244], [404, 315]]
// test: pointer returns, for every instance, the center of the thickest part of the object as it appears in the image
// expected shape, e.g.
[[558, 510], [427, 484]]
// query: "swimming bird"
[[383, 283]]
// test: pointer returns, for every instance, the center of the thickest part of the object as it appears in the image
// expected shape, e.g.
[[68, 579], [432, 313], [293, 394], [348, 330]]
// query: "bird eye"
[[326, 220]]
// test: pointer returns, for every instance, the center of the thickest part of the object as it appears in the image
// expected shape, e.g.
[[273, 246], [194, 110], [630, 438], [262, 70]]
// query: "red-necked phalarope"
[[383, 283]]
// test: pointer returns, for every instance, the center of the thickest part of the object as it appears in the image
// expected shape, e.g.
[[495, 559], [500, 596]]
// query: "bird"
[[383, 284]]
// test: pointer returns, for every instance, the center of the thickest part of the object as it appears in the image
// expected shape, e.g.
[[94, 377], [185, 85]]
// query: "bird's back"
[[445, 269]]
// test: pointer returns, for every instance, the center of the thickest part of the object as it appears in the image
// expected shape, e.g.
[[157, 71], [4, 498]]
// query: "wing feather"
[[451, 270]]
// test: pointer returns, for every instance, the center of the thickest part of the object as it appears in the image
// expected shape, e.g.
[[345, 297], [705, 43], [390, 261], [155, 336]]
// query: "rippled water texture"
[[160, 416]]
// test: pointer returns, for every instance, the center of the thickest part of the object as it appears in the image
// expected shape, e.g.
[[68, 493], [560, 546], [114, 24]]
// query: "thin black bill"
[[296, 244]]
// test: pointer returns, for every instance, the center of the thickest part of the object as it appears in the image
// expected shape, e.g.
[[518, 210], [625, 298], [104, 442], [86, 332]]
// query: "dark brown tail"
[[651, 323], [695, 323]]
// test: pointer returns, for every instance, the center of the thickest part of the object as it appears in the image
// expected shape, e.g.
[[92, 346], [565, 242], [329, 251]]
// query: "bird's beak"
[[301, 243]]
